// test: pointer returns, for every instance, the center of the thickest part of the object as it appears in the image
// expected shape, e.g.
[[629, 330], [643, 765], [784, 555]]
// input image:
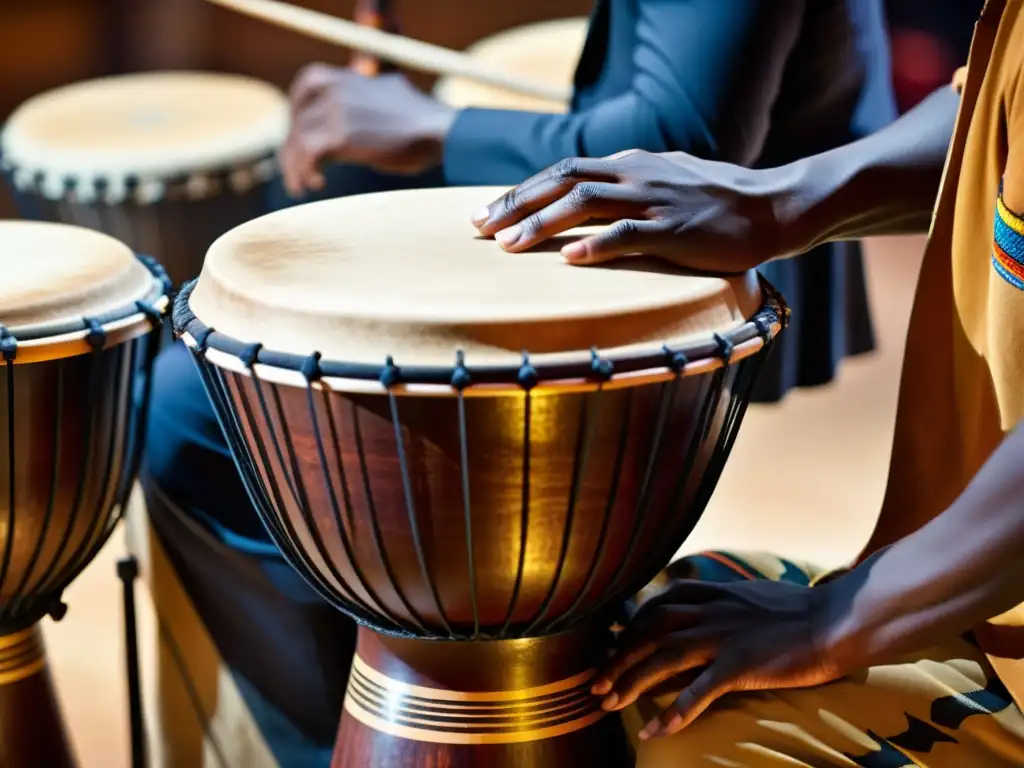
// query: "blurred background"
[[815, 497]]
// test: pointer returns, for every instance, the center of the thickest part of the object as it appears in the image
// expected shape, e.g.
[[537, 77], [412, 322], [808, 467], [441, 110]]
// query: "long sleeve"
[[705, 74]]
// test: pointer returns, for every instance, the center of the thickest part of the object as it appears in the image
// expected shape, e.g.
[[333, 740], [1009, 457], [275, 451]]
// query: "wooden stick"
[[404, 51]]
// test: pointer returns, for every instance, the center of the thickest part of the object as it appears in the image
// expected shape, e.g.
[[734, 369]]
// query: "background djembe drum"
[[80, 317], [164, 161], [546, 52], [480, 510]]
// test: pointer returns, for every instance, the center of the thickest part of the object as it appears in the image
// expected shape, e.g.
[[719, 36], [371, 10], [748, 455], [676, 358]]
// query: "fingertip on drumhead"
[[480, 217], [575, 253]]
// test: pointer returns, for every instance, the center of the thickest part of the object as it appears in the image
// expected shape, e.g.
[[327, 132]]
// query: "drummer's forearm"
[[886, 183], [953, 574]]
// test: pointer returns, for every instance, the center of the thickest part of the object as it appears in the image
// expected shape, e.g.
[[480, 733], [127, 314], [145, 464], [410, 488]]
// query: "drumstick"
[[405, 51]]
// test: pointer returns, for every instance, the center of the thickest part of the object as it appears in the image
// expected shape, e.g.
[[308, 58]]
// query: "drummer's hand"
[[700, 214], [383, 122], [708, 639]]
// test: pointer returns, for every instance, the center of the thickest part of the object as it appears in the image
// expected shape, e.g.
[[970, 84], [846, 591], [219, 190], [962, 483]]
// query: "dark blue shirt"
[[743, 81]]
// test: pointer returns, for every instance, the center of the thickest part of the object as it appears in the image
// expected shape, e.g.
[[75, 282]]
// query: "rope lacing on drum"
[[153, 315], [390, 374], [58, 609], [459, 381], [248, 355], [157, 270], [311, 368], [676, 361], [527, 375], [96, 337], [204, 336], [601, 368], [460, 374], [725, 348], [764, 329], [8, 345]]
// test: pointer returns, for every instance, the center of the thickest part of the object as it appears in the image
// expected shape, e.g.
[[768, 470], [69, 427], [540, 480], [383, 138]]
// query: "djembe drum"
[[165, 162], [546, 51], [79, 318], [476, 455]]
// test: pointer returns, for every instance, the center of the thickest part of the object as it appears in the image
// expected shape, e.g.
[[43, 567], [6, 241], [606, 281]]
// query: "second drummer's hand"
[[717, 217], [383, 122], [708, 639]]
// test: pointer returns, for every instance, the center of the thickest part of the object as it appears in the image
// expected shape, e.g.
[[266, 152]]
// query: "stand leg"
[[482, 704], [31, 729], [128, 571]]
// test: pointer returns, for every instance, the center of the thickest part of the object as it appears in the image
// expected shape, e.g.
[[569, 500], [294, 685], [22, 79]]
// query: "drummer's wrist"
[[819, 199]]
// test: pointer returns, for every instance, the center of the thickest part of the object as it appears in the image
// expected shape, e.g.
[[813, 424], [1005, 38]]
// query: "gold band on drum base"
[[21, 655], [442, 716]]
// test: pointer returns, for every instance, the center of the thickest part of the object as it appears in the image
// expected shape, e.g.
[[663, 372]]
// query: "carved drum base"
[[31, 729], [493, 703]]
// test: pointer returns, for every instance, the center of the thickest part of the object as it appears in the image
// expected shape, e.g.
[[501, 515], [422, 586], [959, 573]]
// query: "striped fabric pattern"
[[1008, 245]]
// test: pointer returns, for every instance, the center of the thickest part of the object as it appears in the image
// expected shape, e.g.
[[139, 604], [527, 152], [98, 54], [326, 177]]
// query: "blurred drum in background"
[[79, 319], [547, 51], [163, 161]]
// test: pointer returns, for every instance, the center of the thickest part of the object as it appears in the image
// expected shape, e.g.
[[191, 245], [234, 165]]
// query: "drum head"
[[546, 52], [145, 126], [405, 274], [55, 275]]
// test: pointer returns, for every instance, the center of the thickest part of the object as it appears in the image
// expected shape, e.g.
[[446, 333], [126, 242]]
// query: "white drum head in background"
[[546, 52], [131, 135]]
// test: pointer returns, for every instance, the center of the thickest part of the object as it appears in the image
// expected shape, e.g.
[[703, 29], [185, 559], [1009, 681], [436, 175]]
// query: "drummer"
[[749, 82], [752, 83], [916, 655]]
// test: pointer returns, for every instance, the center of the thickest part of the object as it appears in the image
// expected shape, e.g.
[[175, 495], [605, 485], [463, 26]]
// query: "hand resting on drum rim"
[[703, 214], [716, 217]]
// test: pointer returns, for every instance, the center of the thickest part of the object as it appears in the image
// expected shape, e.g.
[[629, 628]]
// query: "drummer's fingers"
[[627, 237], [673, 659], [621, 662], [541, 190], [287, 161], [585, 201], [300, 159], [315, 152], [669, 618]]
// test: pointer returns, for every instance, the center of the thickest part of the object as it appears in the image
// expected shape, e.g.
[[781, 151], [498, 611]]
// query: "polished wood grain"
[[66, 432], [487, 676], [499, 532], [611, 483]]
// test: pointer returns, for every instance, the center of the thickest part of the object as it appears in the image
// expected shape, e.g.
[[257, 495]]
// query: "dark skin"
[[703, 640], [715, 216], [382, 122]]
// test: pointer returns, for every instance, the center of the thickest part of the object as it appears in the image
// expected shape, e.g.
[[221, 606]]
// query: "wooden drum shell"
[[611, 483], [70, 429]]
